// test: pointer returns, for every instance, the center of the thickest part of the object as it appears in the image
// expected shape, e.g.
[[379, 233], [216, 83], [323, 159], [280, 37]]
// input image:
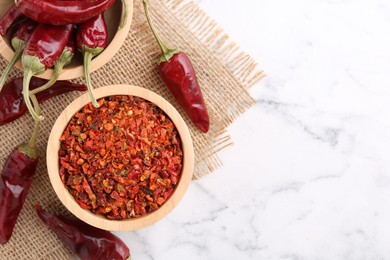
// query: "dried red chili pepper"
[[12, 105], [18, 42], [86, 241], [15, 182], [91, 39], [8, 19], [122, 160], [179, 75], [59, 12], [41, 52]]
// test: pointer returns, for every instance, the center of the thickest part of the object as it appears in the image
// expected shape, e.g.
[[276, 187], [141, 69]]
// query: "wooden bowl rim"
[[78, 71], [97, 220]]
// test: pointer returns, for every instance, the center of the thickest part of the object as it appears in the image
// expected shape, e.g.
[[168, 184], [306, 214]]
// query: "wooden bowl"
[[74, 70], [98, 220]]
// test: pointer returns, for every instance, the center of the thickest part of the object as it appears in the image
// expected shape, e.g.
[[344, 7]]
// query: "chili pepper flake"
[[121, 160]]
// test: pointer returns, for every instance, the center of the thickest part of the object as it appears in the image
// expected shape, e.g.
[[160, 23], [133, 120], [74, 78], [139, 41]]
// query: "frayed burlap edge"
[[242, 67]]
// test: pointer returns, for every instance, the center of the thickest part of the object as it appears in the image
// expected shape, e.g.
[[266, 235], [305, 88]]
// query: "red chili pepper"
[[15, 182], [9, 17], [65, 58], [16, 179], [12, 105], [179, 75], [46, 45], [91, 39], [18, 42], [59, 12], [86, 241], [42, 52]]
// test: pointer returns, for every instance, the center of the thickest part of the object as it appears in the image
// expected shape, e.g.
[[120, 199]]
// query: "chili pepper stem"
[[26, 95], [18, 52], [56, 74], [88, 55], [167, 53], [124, 14], [32, 66], [65, 59], [31, 152], [30, 148], [33, 138]]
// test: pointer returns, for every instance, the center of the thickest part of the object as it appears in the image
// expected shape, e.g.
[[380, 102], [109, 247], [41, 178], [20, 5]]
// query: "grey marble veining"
[[309, 174]]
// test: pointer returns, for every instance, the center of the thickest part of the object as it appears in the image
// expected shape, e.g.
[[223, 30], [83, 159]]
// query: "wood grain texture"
[[117, 36], [99, 221]]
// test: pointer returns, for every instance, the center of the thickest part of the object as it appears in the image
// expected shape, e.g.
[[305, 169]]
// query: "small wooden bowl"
[[117, 36], [98, 220]]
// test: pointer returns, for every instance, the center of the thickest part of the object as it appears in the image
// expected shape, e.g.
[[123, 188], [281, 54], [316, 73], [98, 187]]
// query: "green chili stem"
[[11, 64], [26, 95], [124, 14], [87, 61], [167, 53], [57, 71], [63, 60], [33, 138]]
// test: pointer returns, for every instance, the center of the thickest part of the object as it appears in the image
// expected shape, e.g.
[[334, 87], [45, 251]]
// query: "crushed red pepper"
[[121, 160]]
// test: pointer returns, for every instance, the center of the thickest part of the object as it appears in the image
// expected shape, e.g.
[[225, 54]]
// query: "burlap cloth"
[[225, 74]]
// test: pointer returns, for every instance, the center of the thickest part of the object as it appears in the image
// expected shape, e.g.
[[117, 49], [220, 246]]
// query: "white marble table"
[[309, 174]]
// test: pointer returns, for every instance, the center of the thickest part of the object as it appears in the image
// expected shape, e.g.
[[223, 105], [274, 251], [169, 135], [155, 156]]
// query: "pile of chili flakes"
[[122, 160]]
